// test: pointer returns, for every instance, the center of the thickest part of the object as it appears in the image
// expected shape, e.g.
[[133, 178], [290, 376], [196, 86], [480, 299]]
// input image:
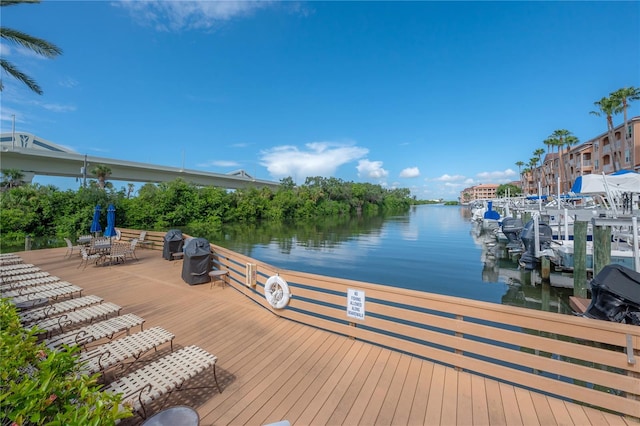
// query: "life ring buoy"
[[118, 235], [276, 291]]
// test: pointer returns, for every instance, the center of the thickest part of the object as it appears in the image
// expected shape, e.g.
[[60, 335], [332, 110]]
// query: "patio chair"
[[117, 254], [130, 251], [68, 319], [103, 357], [96, 331], [70, 248], [88, 258], [143, 242], [38, 314], [162, 377]]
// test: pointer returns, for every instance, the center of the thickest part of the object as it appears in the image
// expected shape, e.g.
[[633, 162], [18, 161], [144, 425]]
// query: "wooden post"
[[601, 248], [545, 268], [545, 296], [580, 258]]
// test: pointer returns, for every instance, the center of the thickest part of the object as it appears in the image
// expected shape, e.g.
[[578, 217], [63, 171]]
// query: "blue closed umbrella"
[[111, 222], [95, 225]]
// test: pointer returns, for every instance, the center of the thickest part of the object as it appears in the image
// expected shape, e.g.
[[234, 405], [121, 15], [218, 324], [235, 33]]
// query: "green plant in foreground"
[[39, 386]]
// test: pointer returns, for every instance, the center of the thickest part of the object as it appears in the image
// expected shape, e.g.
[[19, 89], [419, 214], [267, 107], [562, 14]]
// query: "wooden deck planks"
[[479, 401], [372, 410], [354, 388], [362, 400], [408, 393], [312, 358], [272, 369], [419, 405], [464, 414]]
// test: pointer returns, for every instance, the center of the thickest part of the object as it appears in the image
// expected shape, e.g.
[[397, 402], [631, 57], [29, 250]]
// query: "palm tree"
[[102, 172], [520, 164], [538, 153], [608, 107], [623, 97], [550, 143], [11, 178], [562, 138], [37, 45]]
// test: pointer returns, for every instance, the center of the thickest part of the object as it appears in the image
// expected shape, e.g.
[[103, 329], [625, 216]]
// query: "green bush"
[[43, 387]]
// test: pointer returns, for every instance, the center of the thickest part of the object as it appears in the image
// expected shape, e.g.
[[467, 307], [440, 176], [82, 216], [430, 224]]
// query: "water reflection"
[[431, 248], [525, 288]]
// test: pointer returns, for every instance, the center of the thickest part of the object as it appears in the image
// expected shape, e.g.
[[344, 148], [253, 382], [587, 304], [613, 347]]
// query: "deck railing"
[[593, 362]]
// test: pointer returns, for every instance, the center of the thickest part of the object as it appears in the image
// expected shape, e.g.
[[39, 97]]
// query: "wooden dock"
[[272, 369]]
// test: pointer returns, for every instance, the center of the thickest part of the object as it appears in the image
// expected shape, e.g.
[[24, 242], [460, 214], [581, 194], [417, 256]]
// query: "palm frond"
[[14, 72], [14, 2], [38, 45]]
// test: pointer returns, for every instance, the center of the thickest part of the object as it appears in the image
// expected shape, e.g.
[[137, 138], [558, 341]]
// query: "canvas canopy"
[[601, 184]]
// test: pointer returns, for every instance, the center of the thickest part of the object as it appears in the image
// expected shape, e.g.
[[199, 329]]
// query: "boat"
[[621, 254]]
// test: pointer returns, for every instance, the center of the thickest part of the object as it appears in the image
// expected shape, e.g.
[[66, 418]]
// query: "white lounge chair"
[[28, 283], [12, 267], [54, 294], [161, 377], [10, 261], [60, 322], [134, 346], [21, 274], [38, 314], [22, 291], [8, 255], [98, 330]]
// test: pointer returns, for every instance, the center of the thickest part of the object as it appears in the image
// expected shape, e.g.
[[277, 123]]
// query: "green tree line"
[[45, 211]]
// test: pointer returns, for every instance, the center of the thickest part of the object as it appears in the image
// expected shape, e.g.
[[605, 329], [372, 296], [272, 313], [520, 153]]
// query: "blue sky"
[[431, 96]]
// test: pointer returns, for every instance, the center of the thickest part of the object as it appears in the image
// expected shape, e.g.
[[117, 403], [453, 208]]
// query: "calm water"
[[432, 248]]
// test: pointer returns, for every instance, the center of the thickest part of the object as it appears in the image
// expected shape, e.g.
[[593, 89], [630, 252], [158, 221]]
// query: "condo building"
[[602, 155]]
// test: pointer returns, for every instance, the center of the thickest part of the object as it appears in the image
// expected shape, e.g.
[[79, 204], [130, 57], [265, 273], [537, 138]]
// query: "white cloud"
[[68, 83], [57, 107], [319, 159], [371, 169], [180, 15], [496, 176], [410, 172], [450, 178]]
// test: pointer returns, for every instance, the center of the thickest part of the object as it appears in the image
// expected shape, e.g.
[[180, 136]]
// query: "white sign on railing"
[[355, 304]]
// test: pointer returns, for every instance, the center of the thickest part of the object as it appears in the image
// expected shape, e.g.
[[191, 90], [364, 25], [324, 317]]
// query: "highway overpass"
[[36, 156]]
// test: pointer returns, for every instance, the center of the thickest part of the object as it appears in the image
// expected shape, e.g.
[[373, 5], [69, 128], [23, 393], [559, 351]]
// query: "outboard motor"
[[528, 259], [615, 295], [511, 228]]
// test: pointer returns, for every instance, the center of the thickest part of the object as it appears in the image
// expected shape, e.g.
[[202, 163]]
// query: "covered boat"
[[615, 295]]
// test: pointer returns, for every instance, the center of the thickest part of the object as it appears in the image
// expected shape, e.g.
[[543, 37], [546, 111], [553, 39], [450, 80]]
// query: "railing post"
[[601, 247], [580, 258], [458, 334], [27, 243]]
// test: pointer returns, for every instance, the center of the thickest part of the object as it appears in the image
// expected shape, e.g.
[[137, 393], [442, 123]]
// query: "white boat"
[[621, 254]]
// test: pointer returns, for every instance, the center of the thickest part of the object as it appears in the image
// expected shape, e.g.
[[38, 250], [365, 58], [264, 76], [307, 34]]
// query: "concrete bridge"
[[35, 156]]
